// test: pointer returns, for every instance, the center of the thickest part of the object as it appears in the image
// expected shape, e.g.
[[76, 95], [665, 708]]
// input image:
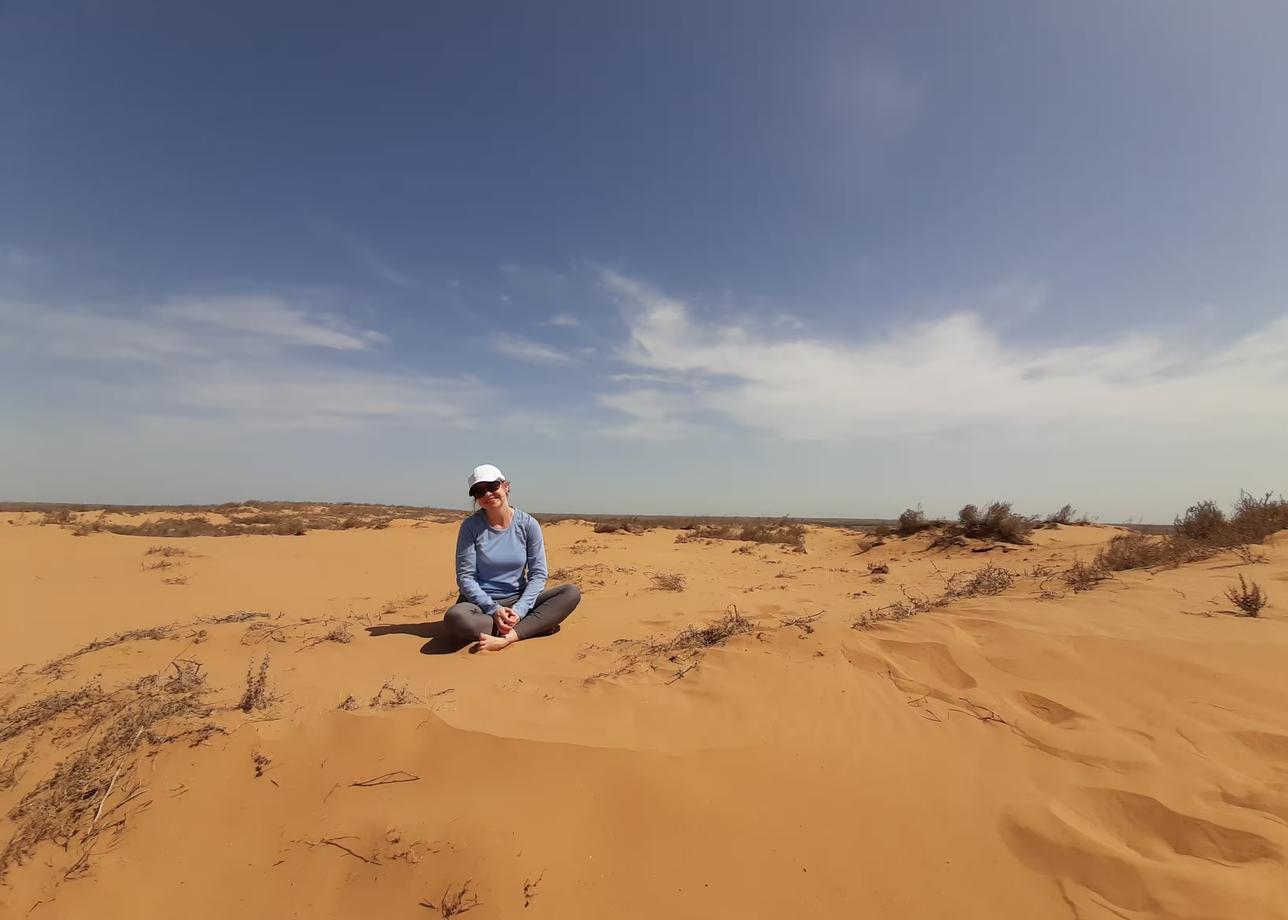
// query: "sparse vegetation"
[[163, 550], [1082, 576], [878, 568], [73, 805], [1248, 597], [339, 634], [668, 581], [260, 760], [456, 902], [985, 582], [257, 695], [715, 633], [913, 521], [623, 525], [1063, 516], [391, 696], [782, 532], [252, 517]]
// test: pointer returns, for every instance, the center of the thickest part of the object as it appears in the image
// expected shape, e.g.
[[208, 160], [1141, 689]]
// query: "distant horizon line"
[[23, 506]]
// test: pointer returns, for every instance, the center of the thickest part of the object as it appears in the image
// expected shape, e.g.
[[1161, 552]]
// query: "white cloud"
[[273, 320], [523, 349], [941, 375], [652, 415], [564, 319], [248, 362]]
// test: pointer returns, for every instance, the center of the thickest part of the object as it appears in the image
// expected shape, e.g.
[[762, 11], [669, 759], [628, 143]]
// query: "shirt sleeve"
[[536, 568], [467, 570]]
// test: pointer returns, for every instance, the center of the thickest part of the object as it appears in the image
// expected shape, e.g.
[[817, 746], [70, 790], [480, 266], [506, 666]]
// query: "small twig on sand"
[[398, 776], [335, 842]]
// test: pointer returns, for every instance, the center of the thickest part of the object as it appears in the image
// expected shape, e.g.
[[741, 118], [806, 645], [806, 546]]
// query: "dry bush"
[[260, 760], [1083, 577], [1249, 598], [163, 550], [782, 532], [349, 703], [668, 581], [997, 522], [622, 525], [715, 633], [1132, 551], [989, 580], [913, 521], [1204, 522], [58, 516], [339, 634], [390, 696], [241, 616], [803, 623], [111, 731], [1254, 519], [899, 610], [878, 568], [456, 902], [1063, 516], [257, 694], [881, 531]]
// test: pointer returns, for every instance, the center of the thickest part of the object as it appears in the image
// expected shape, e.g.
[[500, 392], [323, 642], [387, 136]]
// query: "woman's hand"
[[505, 618]]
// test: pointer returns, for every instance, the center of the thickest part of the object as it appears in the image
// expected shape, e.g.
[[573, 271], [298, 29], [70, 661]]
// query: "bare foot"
[[495, 643]]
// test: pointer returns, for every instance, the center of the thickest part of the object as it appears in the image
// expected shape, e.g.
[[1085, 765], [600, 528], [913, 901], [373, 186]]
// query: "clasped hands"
[[505, 619]]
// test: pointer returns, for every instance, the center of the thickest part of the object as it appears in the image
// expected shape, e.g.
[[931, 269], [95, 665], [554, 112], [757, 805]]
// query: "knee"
[[457, 619], [573, 594]]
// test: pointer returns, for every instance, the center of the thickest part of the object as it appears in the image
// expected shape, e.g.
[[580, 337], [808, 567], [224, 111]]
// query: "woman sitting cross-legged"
[[501, 572]]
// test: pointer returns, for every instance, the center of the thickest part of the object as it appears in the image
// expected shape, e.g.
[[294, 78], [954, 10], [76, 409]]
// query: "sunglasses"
[[479, 489]]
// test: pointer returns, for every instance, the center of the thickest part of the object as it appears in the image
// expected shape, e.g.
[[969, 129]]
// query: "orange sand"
[[1117, 753]]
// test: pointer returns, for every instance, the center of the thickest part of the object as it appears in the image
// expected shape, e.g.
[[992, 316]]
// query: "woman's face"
[[495, 499]]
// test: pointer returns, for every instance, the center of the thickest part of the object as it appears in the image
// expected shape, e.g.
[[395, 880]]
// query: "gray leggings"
[[466, 620]]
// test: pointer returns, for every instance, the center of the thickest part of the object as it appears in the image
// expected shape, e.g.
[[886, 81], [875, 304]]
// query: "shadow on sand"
[[440, 643]]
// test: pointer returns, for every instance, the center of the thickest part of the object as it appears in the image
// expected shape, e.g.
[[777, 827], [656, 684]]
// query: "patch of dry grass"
[[1248, 597], [668, 581], [258, 694], [109, 731]]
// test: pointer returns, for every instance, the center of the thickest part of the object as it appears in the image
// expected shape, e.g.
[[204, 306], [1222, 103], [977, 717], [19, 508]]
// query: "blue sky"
[[763, 258]]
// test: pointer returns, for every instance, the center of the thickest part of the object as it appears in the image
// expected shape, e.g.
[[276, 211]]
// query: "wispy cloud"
[[564, 319], [522, 349], [942, 375], [273, 320], [251, 361]]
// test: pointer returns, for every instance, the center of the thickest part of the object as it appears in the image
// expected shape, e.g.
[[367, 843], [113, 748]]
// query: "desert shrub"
[[1254, 519], [781, 532], [989, 580], [257, 694], [1082, 576], [881, 531], [622, 525], [1063, 516], [715, 633], [668, 581], [1249, 598], [1131, 551], [1204, 522], [878, 568], [912, 521], [997, 522]]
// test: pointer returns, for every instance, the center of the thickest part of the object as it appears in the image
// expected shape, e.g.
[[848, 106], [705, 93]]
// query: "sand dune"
[[1121, 752]]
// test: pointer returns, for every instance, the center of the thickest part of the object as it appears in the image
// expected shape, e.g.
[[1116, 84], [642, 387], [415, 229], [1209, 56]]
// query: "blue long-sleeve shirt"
[[491, 563]]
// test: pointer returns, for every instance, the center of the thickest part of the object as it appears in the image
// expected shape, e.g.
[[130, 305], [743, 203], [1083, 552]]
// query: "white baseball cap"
[[485, 473]]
